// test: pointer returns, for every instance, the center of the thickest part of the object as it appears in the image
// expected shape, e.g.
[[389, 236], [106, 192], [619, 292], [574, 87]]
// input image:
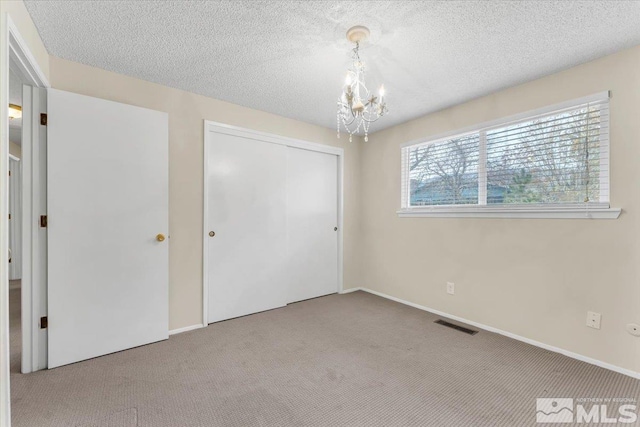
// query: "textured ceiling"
[[290, 57]]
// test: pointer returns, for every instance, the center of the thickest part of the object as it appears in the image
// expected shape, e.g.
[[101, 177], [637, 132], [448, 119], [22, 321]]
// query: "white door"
[[312, 220], [107, 170], [246, 197]]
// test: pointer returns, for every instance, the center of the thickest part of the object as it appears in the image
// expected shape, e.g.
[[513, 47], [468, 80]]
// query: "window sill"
[[512, 212]]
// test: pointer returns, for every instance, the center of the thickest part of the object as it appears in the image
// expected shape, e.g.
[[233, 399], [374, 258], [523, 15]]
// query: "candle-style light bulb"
[[347, 80], [381, 92]]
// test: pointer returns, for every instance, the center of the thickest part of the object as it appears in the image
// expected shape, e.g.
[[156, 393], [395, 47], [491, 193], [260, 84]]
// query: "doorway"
[[18, 80], [27, 201], [19, 71], [15, 220], [15, 252]]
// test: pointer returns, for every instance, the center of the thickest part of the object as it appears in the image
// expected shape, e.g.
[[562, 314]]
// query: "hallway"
[[15, 344]]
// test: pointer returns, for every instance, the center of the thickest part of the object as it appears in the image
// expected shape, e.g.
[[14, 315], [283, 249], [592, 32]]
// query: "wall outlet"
[[451, 288], [593, 319], [633, 329]]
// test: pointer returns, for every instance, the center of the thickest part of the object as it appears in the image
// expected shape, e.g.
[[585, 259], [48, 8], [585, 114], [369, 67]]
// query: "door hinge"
[[43, 119], [43, 221], [44, 322]]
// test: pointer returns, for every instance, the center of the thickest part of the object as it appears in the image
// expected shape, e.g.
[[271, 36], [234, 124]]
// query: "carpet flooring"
[[341, 360], [15, 334]]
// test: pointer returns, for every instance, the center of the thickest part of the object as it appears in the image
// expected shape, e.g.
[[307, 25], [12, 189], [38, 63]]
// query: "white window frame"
[[600, 210]]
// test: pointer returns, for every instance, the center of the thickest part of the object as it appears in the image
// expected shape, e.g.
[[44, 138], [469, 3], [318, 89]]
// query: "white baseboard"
[[562, 351], [185, 329]]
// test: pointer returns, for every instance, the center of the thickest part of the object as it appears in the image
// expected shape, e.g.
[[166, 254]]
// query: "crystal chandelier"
[[357, 106]]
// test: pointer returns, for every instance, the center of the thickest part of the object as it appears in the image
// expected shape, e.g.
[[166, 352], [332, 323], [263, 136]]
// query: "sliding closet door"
[[247, 219], [312, 219]]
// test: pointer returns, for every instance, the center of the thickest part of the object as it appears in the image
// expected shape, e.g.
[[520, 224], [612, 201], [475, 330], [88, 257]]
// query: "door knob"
[[212, 233], [160, 237], [335, 228]]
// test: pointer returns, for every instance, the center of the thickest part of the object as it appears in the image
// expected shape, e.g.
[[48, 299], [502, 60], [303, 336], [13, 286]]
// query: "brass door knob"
[[212, 233], [160, 237]]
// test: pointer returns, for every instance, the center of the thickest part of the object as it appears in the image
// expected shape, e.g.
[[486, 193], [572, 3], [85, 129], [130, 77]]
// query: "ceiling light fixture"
[[15, 111], [357, 107]]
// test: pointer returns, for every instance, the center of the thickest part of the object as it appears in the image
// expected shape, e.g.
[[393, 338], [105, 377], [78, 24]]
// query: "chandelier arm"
[[353, 119], [345, 116], [345, 122]]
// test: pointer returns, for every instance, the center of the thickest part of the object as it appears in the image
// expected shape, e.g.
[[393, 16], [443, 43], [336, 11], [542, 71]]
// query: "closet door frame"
[[211, 130]]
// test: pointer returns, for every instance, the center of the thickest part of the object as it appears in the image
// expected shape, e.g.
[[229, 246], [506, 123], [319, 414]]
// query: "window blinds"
[[445, 173], [556, 157]]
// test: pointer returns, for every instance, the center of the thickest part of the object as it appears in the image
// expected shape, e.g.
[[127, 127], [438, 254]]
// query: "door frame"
[[34, 237], [14, 54], [211, 128], [33, 283]]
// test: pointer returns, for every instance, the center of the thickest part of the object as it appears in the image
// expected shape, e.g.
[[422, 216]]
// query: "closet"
[[272, 221]]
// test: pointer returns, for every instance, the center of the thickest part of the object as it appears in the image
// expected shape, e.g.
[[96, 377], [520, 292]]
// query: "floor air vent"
[[456, 327]]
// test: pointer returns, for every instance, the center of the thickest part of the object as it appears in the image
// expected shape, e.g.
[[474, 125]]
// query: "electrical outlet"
[[593, 319], [451, 288], [633, 329]]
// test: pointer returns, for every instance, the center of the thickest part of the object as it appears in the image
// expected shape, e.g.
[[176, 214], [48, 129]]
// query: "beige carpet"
[[341, 360], [15, 334]]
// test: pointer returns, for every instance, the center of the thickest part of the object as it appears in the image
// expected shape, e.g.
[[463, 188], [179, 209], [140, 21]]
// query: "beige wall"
[[186, 114], [533, 278], [15, 149]]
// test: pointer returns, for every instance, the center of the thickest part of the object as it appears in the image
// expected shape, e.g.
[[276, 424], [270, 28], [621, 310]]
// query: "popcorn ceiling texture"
[[290, 57]]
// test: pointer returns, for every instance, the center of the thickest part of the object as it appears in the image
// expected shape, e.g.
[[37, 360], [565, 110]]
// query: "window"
[[551, 160]]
